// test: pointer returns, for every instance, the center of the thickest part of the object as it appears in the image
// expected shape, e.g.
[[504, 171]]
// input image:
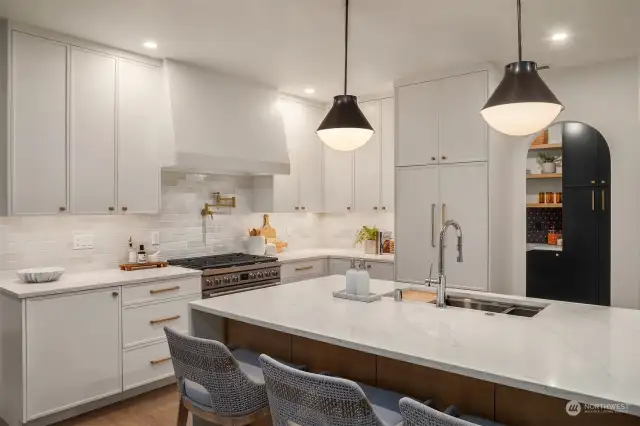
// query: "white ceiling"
[[292, 44]]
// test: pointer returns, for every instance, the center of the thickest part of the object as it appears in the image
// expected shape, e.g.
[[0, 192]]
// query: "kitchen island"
[[515, 370]]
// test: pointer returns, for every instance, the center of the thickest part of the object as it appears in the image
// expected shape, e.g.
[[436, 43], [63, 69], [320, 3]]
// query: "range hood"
[[222, 124]]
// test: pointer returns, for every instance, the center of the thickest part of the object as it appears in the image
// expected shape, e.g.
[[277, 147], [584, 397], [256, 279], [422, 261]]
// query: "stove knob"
[[226, 280], [235, 279], [217, 281], [252, 276], [208, 282], [274, 273]]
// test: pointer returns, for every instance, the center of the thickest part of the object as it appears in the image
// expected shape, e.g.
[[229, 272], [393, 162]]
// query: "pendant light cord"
[[519, 30], [346, 45]]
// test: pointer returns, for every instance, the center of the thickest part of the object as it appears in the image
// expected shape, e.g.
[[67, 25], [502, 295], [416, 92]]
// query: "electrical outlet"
[[155, 238], [82, 241]]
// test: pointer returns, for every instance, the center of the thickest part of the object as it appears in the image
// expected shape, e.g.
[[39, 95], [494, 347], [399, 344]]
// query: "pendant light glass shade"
[[345, 127], [522, 103]]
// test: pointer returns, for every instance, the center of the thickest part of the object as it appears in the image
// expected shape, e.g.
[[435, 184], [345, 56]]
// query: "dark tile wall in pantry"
[[540, 222]]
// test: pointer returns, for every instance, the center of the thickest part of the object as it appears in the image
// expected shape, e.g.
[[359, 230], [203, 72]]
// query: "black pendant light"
[[345, 127], [522, 103]]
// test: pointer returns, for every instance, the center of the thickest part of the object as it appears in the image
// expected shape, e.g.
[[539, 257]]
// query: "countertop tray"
[[342, 294]]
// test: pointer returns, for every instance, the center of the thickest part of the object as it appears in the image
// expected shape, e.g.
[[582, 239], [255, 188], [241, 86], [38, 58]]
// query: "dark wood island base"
[[504, 404]]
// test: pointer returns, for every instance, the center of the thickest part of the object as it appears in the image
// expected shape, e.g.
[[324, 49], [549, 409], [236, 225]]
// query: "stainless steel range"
[[233, 273]]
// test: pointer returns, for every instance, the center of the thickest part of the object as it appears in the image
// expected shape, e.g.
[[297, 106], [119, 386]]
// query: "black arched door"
[[586, 215]]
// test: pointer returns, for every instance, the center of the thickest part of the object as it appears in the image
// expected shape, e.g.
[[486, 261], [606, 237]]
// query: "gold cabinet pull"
[[603, 201], [304, 268], [164, 290], [159, 360], [593, 200], [161, 320]]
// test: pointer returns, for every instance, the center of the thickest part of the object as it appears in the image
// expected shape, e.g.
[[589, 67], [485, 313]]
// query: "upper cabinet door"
[[139, 97], [417, 112], [579, 155], [39, 91], [92, 136], [286, 197], [309, 160], [417, 223], [367, 163], [387, 148], [463, 131], [338, 180], [464, 198]]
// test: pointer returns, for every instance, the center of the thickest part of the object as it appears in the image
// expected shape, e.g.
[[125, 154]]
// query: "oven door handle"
[[240, 290]]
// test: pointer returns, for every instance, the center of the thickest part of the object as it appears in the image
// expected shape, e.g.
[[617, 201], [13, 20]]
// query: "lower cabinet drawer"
[[146, 323], [146, 364], [296, 271], [160, 290]]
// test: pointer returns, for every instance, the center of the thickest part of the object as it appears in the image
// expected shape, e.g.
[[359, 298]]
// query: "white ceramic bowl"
[[40, 275]]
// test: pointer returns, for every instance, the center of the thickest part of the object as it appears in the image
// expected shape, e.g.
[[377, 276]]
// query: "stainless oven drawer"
[[222, 291]]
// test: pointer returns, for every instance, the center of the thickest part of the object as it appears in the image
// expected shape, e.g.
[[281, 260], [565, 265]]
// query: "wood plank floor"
[[156, 408]]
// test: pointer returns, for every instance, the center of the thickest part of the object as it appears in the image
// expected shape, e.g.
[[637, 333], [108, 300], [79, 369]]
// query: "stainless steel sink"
[[484, 305], [493, 307], [476, 304]]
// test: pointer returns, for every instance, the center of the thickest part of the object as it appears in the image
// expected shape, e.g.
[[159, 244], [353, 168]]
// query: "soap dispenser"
[[363, 279], [352, 278]]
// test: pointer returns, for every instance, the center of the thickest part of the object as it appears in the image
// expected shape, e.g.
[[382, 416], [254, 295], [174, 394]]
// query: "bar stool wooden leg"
[[183, 414]]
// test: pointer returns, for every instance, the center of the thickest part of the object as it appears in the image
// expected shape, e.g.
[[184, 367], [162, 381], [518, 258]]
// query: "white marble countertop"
[[539, 246], [571, 351], [11, 285], [295, 255]]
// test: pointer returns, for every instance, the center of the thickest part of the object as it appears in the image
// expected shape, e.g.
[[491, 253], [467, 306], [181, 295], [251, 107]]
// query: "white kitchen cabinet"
[[309, 162], [338, 180], [139, 98], [418, 124], [387, 154], [303, 270], [301, 190], [92, 170], [417, 222], [464, 197], [74, 350], [463, 131], [439, 121], [374, 162], [39, 154], [367, 163]]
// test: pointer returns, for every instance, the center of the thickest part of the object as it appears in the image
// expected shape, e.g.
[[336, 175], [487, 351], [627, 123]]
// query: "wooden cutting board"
[[267, 230], [418, 296]]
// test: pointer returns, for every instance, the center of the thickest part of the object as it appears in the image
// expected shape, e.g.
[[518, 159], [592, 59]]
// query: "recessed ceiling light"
[[152, 45], [559, 37], [309, 90]]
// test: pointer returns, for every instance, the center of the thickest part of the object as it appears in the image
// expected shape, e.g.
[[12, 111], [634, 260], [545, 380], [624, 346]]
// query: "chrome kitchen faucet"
[[441, 281]]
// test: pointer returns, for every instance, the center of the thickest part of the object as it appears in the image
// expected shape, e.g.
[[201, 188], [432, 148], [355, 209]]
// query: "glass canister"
[[549, 197]]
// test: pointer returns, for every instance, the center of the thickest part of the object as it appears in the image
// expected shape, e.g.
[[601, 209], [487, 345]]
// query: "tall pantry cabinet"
[[83, 126], [442, 172]]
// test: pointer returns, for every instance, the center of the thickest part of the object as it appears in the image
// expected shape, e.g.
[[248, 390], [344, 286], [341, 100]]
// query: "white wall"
[[605, 96]]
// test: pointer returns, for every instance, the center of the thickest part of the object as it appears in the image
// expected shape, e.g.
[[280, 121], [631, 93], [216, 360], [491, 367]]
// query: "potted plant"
[[368, 236], [548, 162]]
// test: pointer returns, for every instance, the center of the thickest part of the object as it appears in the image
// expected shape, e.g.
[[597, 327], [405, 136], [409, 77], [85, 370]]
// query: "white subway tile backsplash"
[[48, 240]]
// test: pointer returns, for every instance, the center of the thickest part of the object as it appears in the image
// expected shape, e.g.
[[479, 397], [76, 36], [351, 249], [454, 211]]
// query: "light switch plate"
[[82, 241], [155, 238]]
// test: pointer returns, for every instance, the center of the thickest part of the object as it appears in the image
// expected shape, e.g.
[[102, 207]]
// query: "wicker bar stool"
[[415, 413], [307, 399], [219, 386]]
